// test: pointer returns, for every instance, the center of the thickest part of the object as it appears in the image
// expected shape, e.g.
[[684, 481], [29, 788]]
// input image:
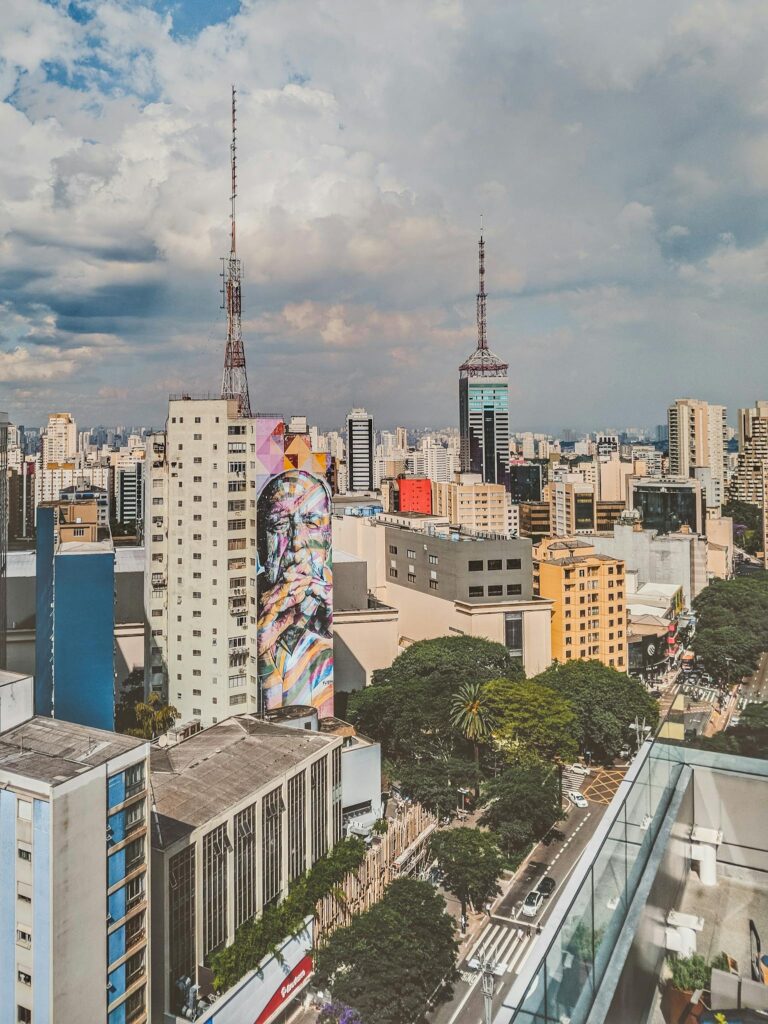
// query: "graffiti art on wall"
[[293, 515]]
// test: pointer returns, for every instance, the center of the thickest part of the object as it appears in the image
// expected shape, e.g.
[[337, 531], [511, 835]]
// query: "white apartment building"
[[698, 439], [59, 438], [200, 579]]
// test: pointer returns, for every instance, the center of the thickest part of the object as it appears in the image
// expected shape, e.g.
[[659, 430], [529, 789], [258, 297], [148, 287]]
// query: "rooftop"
[[53, 751], [195, 780]]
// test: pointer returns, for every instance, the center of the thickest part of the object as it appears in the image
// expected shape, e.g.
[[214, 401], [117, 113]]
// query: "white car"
[[578, 769], [577, 799], [532, 903]]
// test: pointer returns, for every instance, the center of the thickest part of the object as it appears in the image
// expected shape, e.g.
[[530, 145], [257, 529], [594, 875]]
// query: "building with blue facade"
[[74, 643], [74, 898]]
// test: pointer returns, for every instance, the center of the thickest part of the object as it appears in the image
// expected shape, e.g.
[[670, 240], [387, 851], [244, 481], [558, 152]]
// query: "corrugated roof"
[[199, 778]]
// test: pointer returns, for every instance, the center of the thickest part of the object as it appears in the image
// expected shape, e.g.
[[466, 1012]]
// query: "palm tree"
[[470, 716], [153, 718]]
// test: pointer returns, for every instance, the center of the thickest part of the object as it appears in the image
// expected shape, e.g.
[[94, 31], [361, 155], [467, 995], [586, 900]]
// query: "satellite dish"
[[162, 741]]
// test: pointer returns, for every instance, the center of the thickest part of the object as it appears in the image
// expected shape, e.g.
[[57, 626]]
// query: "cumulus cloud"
[[618, 156]]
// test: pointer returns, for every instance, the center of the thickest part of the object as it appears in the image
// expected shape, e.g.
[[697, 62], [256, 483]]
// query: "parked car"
[[578, 769], [532, 903], [625, 753], [577, 799], [547, 886], [656, 693]]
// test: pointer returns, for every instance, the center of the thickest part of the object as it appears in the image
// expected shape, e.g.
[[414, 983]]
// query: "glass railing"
[[579, 940], [583, 935]]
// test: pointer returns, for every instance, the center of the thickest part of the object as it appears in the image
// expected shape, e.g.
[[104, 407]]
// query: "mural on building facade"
[[295, 578]]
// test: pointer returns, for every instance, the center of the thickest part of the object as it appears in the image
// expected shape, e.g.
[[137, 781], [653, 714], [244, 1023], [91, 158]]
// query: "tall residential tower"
[[484, 401]]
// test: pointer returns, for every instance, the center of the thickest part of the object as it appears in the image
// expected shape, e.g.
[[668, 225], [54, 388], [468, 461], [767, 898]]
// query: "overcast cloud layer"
[[618, 151]]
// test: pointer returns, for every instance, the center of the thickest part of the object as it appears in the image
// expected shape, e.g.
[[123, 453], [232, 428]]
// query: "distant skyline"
[[619, 156]]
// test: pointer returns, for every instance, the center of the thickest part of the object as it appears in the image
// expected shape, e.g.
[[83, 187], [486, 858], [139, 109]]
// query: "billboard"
[[294, 571], [259, 997]]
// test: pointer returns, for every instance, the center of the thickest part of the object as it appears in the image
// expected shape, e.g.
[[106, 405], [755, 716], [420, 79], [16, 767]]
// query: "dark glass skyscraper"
[[484, 402]]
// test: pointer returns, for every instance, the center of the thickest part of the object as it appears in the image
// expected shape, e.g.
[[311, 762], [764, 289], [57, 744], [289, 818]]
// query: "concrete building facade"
[[698, 439], [360, 452], [74, 900], [472, 505]]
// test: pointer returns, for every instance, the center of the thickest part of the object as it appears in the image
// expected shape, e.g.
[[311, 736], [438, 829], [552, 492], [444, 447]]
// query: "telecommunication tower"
[[234, 383]]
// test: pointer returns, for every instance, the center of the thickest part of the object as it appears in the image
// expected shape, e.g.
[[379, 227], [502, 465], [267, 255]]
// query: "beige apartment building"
[[589, 610], [472, 504], [698, 440]]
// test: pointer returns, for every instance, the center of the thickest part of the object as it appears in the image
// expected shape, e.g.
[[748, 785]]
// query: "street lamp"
[[488, 968]]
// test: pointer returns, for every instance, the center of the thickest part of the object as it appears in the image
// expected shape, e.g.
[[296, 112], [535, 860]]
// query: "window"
[[513, 633], [476, 591], [494, 564], [475, 565], [23, 1015], [24, 977], [237, 698], [23, 937], [319, 807], [134, 1005], [134, 855], [495, 591], [134, 892], [392, 549], [134, 816], [433, 559], [25, 854], [515, 588], [410, 553], [515, 563], [297, 841], [134, 780], [24, 892], [411, 577], [433, 585], [393, 573], [24, 810]]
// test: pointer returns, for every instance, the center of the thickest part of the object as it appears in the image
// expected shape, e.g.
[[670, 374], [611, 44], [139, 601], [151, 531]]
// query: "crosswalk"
[[502, 944], [573, 781]]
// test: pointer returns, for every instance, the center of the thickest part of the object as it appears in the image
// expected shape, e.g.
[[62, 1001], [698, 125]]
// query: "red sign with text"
[[290, 984]]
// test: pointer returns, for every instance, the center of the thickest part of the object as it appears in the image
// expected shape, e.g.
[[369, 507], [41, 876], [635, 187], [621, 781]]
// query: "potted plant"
[[688, 974]]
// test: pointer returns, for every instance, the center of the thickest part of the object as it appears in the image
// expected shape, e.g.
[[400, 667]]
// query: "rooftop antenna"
[[482, 336], [234, 383]]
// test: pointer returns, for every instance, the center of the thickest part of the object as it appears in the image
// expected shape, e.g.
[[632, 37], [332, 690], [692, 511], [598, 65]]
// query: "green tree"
[[435, 784], [407, 708], [523, 712], [747, 739], [471, 863], [605, 701], [522, 803], [732, 625], [153, 718], [747, 525], [392, 959], [131, 693]]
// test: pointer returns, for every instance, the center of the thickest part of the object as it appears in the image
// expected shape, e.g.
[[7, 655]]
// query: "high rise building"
[[4, 424], [238, 582], [484, 401], [589, 613], [667, 505], [58, 442], [360, 451], [524, 482], [74, 638], [746, 484], [74, 898], [129, 491], [401, 438], [415, 495], [573, 505], [698, 439]]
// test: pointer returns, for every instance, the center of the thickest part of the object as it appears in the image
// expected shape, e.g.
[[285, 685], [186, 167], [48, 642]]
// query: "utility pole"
[[489, 985]]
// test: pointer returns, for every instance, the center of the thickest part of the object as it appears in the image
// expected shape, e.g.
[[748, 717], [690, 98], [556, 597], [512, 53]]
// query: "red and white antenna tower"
[[234, 383], [482, 328]]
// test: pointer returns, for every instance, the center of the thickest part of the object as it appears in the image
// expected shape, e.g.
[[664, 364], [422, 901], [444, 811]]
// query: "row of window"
[[494, 564], [497, 590]]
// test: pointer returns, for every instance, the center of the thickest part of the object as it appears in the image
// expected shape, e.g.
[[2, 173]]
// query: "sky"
[[617, 152]]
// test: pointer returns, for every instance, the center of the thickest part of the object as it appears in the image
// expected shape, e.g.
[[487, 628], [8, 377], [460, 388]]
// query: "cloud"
[[611, 150]]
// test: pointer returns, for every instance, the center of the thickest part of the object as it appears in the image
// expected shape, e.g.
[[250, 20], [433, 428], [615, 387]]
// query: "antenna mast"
[[234, 383], [482, 336]]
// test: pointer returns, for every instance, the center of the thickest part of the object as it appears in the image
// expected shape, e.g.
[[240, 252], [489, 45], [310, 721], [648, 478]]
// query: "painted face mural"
[[295, 592]]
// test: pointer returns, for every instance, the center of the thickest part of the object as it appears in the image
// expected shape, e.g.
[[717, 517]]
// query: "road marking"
[[485, 939], [518, 951]]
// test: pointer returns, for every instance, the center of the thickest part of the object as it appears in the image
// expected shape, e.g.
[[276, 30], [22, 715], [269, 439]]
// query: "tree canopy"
[[523, 712], [747, 525], [407, 707], [732, 625], [605, 702], [471, 863], [747, 739], [522, 803], [435, 783], [392, 958]]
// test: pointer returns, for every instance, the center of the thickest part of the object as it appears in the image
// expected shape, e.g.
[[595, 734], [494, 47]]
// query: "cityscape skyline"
[[608, 275]]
